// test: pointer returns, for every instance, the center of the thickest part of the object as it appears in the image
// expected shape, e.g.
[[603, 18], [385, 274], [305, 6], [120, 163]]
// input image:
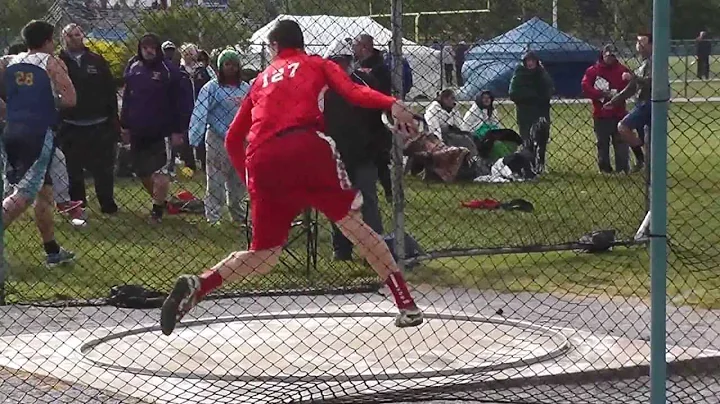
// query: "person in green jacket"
[[531, 88]]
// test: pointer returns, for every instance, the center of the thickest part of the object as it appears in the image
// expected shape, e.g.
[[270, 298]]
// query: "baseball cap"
[[168, 45]]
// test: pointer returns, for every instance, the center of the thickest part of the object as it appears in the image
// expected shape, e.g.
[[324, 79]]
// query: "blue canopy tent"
[[491, 65]]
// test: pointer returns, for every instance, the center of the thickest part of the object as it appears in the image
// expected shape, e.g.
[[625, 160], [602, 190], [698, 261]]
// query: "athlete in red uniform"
[[290, 166]]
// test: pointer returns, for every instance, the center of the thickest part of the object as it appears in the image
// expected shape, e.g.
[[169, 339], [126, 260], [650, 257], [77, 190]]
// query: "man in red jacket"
[[292, 165], [601, 82]]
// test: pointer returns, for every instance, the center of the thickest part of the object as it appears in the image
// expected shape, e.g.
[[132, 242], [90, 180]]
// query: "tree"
[[209, 29], [14, 14]]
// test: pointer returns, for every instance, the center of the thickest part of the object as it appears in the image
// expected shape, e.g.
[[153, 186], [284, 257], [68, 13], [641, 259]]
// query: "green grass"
[[682, 68], [682, 73], [571, 200]]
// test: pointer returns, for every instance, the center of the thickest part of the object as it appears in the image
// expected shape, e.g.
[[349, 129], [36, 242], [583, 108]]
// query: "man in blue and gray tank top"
[[36, 83]]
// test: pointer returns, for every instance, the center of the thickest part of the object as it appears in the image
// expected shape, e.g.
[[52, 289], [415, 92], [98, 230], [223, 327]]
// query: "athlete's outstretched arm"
[[64, 87], [361, 96], [366, 97], [236, 135]]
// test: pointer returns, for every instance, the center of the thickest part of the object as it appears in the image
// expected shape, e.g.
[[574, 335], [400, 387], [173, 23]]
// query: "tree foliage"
[[115, 53], [14, 14], [209, 29]]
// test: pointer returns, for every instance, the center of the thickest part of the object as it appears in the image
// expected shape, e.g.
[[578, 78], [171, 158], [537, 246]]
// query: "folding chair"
[[308, 225]]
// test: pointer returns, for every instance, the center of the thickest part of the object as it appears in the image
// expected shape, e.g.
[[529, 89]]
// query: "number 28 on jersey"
[[24, 78]]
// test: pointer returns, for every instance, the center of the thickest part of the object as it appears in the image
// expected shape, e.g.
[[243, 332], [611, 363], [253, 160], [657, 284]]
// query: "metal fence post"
[[658, 199], [685, 74], [396, 21], [3, 267]]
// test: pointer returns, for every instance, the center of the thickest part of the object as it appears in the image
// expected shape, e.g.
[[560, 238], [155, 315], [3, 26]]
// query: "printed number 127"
[[280, 73]]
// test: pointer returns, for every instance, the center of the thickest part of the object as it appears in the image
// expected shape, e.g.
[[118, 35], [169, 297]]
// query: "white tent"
[[323, 31]]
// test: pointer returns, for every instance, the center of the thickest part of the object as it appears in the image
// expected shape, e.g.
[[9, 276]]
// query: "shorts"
[[291, 173], [151, 155], [28, 159], [639, 117]]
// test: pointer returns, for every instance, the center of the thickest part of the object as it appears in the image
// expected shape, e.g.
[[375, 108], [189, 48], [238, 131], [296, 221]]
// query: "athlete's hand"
[[177, 139], [404, 119], [627, 76]]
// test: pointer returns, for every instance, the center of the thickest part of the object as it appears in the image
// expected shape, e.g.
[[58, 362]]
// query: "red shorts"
[[289, 174]]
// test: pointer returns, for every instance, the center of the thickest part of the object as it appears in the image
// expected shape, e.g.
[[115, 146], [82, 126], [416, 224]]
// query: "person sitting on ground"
[[442, 114], [482, 119], [482, 115]]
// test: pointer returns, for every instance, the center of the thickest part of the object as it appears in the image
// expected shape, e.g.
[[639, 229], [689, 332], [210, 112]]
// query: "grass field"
[[571, 200]]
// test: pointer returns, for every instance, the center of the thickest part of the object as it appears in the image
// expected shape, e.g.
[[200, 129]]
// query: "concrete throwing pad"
[[297, 356], [332, 347]]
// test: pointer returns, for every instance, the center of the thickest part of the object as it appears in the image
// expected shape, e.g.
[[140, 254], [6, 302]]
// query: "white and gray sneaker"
[[409, 318], [179, 302]]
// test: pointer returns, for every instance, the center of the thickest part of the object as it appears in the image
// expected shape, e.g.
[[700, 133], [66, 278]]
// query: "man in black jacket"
[[372, 62], [89, 132], [355, 140]]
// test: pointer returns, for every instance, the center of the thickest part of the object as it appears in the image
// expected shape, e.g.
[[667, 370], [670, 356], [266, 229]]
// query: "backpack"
[[597, 241], [135, 297]]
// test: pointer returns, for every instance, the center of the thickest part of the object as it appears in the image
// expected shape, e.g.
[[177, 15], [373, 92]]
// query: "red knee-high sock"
[[397, 285], [209, 281]]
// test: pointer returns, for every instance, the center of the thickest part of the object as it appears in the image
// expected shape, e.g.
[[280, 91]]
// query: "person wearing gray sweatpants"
[[215, 108], [223, 182]]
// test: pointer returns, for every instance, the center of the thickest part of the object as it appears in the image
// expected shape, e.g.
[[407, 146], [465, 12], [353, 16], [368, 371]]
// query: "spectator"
[[190, 63], [601, 82], [448, 62], [89, 131], [703, 51], [204, 60], [156, 105], [371, 62], [460, 51], [441, 114], [482, 115], [531, 88], [407, 78], [58, 172], [36, 83], [216, 106], [355, 138], [199, 75], [168, 51]]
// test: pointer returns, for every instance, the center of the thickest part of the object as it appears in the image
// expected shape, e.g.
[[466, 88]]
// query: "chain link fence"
[[523, 208]]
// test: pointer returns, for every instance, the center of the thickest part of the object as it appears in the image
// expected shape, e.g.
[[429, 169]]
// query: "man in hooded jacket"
[[531, 88], [156, 109], [356, 140]]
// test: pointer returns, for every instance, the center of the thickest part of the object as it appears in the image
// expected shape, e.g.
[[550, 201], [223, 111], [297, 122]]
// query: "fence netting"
[[522, 202]]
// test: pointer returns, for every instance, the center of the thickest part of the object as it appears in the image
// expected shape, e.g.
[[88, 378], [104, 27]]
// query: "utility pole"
[[555, 13]]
